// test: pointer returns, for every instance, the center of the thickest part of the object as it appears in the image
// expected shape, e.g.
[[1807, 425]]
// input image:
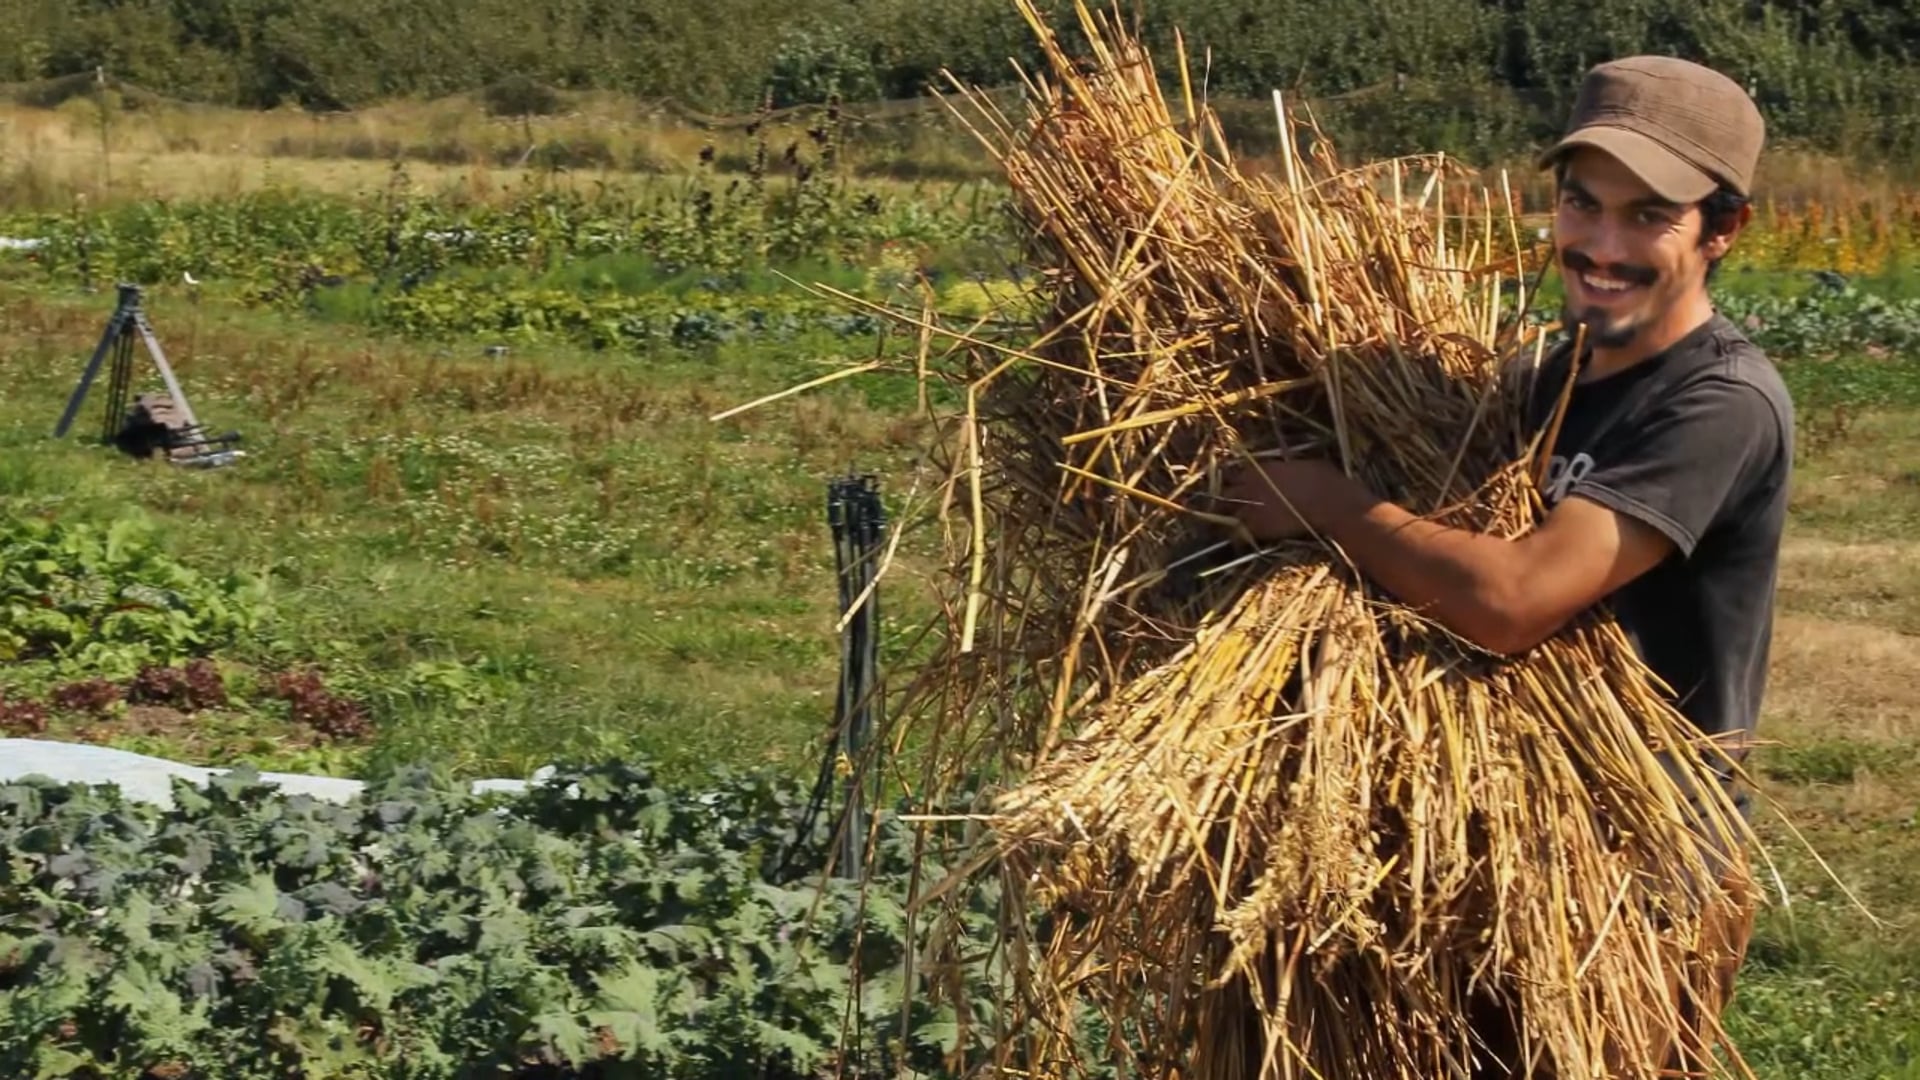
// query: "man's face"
[[1628, 257]]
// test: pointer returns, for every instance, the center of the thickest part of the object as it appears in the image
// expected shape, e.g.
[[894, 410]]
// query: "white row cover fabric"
[[150, 779]]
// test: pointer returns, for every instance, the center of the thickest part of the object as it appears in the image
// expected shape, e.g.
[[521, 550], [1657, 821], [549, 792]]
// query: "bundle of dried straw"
[[1287, 826]]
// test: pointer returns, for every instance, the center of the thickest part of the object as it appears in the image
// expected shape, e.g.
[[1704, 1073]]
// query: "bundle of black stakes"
[[859, 524]]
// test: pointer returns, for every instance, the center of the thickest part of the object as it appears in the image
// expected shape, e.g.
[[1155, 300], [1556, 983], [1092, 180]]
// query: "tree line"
[[1466, 75]]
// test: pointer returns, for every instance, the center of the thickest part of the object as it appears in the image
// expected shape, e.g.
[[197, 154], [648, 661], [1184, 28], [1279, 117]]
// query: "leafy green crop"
[[681, 264], [1829, 320], [418, 932], [280, 244], [108, 601], [606, 320], [675, 268]]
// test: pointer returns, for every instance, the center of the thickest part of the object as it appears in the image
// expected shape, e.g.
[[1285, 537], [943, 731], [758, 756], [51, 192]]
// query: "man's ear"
[[1721, 242]]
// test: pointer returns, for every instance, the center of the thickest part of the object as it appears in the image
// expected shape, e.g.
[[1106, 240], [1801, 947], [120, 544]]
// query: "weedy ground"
[[566, 554], [556, 553], [1827, 991], [112, 148]]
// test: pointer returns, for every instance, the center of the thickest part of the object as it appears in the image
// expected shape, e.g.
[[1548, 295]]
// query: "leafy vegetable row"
[[598, 924]]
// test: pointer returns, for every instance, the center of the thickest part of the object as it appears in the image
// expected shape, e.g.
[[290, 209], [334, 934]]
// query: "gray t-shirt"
[[1698, 443]]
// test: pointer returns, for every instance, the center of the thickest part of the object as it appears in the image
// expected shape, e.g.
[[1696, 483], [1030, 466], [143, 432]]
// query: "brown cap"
[[1681, 127]]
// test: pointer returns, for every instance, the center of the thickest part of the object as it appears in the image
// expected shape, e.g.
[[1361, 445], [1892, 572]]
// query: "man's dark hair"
[[1719, 213]]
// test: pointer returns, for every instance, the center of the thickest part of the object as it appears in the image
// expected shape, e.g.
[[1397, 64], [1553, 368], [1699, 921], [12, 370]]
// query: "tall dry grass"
[[114, 144], [109, 146]]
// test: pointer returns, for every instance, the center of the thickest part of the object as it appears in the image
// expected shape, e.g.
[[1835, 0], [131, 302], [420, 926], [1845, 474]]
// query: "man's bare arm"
[[1504, 595]]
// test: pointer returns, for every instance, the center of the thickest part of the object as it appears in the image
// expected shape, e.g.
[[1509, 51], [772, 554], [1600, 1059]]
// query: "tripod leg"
[[166, 371], [114, 327], [119, 389]]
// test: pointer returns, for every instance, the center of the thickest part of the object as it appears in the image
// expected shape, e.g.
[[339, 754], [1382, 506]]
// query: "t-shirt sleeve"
[[1690, 457]]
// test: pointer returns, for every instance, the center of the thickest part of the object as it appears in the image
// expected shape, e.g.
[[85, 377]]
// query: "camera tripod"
[[152, 423]]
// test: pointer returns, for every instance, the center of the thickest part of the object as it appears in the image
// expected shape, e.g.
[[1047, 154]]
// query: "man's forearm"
[[1465, 581]]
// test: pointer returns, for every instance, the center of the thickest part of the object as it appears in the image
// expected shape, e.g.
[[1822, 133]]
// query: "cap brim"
[[1671, 176]]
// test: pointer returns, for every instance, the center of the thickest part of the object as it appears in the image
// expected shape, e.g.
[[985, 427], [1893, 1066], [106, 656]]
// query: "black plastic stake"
[[858, 521]]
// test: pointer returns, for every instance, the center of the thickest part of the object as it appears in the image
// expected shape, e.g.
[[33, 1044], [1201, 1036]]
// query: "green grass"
[[1851, 487], [595, 565], [1816, 999], [1828, 992]]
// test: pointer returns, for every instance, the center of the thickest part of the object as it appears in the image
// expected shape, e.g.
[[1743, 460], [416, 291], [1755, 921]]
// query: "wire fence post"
[[858, 521]]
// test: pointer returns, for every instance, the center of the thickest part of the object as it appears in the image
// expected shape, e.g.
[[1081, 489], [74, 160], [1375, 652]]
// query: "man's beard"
[[1603, 330]]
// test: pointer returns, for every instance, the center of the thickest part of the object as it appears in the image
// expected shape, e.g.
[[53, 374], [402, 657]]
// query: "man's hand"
[[1280, 500]]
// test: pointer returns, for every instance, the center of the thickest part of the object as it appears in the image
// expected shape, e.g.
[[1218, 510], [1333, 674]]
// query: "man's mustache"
[[1636, 275]]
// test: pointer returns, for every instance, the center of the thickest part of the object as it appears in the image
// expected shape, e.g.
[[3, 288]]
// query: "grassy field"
[[569, 549], [502, 559]]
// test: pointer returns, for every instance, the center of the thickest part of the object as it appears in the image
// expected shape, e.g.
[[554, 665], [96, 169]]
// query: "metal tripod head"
[[177, 431]]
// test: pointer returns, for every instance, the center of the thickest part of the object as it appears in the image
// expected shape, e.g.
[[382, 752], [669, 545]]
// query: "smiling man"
[[1667, 484]]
